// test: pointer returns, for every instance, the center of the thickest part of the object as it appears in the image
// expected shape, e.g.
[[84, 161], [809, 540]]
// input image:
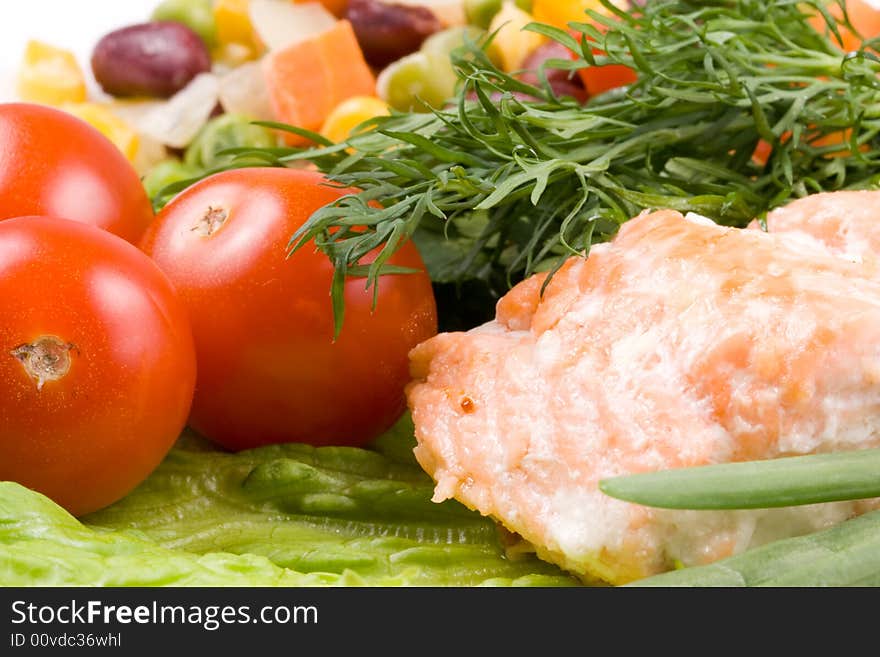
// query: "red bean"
[[149, 59], [386, 32]]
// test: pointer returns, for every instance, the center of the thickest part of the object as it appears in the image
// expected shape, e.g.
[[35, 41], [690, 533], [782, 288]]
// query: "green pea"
[[410, 84], [481, 12], [223, 132], [165, 173], [438, 47], [198, 15], [425, 79]]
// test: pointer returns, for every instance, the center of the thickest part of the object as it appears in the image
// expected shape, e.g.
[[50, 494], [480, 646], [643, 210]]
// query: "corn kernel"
[[349, 113]]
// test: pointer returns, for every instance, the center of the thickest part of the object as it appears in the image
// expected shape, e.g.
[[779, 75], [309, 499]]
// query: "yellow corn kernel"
[[108, 124], [349, 113], [50, 75], [234, 24], [512, 44]]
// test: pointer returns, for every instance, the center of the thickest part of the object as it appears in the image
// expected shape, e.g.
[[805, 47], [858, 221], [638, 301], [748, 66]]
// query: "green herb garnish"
[[786, 481], [518, 184]]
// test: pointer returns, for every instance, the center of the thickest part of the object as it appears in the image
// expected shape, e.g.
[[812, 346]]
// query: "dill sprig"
[[510, 179]]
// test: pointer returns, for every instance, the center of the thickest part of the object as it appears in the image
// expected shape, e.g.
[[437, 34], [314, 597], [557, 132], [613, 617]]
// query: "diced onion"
[[281, 23], [243, 91], [176, 121]]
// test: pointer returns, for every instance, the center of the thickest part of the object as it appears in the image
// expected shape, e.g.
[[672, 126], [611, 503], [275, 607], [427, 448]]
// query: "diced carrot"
[[299, 85], [596, 79], [308, 79], [863, 15], [763, 150]]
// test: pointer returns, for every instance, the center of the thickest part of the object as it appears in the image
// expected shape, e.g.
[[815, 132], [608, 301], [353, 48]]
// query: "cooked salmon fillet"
[[847, 223], [680, 343]]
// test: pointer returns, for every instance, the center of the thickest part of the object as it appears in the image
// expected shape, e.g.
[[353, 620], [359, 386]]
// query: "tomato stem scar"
[[211, 221], [45, 359]]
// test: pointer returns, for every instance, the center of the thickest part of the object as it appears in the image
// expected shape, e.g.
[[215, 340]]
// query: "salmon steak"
[[846, 223], [680, 343]]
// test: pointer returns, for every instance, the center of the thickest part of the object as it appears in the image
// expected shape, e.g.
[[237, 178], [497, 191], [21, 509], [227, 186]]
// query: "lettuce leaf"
[[285, 515], [42, 545], [846, 554]]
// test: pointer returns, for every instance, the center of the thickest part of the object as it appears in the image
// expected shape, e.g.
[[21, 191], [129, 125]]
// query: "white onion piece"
[[243, 90], [175, 122], [281, 23], [133, 111], [449, 12]]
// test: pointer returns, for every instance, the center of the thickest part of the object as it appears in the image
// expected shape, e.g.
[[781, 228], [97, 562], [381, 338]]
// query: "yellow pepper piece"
[[512, 44], [232, 55], [561, 12], [108, 124], [50, 76], [234, 24], [349, 113]]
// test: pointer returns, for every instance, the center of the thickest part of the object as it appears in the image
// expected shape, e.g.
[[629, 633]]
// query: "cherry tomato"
[[97, 363], [269, 368], [52, 163]]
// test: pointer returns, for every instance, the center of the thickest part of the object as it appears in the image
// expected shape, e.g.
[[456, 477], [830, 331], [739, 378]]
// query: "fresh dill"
[[510, 179]]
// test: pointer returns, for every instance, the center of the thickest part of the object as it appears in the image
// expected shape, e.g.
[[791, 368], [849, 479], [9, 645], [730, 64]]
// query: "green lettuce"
[[847, 554], [284, 515]]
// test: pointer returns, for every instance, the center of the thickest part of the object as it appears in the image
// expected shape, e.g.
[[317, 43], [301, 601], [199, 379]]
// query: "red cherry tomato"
[[52, 163], [97, 364], [269, 369]]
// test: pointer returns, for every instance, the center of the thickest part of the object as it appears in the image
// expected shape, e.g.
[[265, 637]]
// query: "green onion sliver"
[[788, 481]]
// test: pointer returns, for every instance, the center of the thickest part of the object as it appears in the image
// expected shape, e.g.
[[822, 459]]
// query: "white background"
[[72, 24]]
